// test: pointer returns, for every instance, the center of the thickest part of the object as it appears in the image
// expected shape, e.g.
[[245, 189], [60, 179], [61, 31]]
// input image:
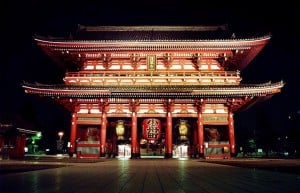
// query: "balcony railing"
[[151, 73], [152, 78]]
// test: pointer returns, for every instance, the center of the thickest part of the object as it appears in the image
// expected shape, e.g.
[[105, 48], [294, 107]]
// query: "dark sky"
[[23, 61]]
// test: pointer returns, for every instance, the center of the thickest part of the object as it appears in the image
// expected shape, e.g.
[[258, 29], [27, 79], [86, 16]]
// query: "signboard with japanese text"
[[151, 62]]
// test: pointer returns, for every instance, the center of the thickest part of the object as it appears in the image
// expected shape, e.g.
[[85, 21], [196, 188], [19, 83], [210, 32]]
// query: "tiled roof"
[[128, 34], [156, 33], [152, 33]]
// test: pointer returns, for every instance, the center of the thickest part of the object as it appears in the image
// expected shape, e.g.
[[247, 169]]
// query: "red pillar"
[[231, 133], [134, 141], [103, 134], [20, 145], [135, 152], [73, 134], [200, 133], [169, 142], [23, 144]]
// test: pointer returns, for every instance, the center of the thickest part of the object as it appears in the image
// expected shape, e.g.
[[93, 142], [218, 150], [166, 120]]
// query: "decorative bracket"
[[199, 104], [168, 60], [133, 105], [196, 60], [106, 59], [103, 104], [169, 105], [135, 58]]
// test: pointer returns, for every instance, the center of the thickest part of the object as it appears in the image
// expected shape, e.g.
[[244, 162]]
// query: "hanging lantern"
[[151, 129], [120, 129], [183, 129]]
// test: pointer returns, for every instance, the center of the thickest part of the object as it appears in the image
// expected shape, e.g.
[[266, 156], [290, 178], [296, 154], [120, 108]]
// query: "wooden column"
[[135, 153], [200, 134], [134, 147], [169, 141], [231, 132], [73, 134], [103, 133], [103, 104], [200, 128], [20, 145]]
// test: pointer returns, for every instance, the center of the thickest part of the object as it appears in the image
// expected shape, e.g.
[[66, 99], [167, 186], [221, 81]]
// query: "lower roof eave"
[[134, 95]]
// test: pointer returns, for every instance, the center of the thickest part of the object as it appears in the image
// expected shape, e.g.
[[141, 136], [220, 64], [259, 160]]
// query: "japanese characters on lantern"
[[151, 129]]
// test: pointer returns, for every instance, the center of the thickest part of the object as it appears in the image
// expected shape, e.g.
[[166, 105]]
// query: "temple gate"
[[144, 91]]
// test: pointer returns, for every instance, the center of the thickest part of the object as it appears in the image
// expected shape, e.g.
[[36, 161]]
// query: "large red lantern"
[[151, 129]]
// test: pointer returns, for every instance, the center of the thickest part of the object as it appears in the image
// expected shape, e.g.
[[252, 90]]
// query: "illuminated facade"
[[138, 91]]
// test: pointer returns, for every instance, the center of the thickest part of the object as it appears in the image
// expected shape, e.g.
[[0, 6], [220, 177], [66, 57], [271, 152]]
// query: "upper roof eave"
[[60, 40], [86, 34]]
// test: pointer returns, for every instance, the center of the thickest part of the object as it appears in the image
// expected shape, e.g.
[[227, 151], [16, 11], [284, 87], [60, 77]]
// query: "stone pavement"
[[147, 176], [280, 165]]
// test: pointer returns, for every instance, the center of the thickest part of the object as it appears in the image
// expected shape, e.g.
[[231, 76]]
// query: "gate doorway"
[[152, 149], [152, 138]]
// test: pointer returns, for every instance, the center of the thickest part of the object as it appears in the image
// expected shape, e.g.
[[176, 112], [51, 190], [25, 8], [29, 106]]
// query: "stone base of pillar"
[[78, 154], [168, 155], [135, 156], [201, 155], [102, 154]]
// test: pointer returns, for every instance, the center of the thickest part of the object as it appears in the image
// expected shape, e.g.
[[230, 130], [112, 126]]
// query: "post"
[[169, 141], [134, 147], [231, 133], [135, 153], [103, 134], [72, 147], [200, 122], [200, 133]]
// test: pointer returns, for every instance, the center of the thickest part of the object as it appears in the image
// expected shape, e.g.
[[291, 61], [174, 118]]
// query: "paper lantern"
[[120, 129], [151, 129]]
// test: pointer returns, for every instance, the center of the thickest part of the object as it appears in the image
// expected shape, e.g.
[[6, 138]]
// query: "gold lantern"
[[120, 129], [183, 129]]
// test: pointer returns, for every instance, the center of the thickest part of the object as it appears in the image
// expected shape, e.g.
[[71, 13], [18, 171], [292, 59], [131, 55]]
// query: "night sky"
[[22, 60]]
